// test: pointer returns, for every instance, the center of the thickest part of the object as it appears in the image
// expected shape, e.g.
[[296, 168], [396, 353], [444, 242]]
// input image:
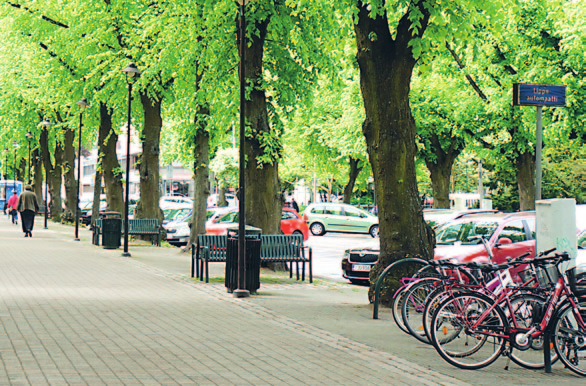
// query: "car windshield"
[[464, 232], [229, 217], [180, 213], [169, 212]]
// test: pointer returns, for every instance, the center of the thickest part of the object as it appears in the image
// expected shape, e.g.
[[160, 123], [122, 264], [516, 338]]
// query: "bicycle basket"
[[577, 282]]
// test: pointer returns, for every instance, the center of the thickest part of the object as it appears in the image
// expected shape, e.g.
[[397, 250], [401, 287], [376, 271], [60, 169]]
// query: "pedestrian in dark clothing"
[[12, 207], [28, 208], [294, 205]]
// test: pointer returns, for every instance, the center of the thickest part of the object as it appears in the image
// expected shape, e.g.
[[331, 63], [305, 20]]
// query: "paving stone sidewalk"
[[75, 314]]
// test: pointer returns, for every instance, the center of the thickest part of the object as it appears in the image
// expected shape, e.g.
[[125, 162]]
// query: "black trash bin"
[[252, 263], [111, 229]]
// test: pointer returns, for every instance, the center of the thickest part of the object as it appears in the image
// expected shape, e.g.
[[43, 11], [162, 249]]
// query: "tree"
[[448, 118], [536, 45]]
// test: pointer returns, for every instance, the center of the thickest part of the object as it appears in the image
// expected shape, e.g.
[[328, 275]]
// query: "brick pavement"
[[74, 314]]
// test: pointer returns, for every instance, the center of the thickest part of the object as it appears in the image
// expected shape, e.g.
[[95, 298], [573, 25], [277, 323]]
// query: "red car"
[[508, 235], [291, 223]]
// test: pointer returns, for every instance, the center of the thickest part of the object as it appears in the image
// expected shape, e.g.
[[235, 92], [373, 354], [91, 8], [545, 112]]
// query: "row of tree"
[[385, 85]]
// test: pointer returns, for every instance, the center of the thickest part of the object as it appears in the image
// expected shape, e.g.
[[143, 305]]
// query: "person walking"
[[28, 208], [294, 204], [12, 201]]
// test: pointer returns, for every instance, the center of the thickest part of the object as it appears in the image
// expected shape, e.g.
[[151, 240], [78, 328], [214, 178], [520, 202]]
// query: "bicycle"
[[481, 319]]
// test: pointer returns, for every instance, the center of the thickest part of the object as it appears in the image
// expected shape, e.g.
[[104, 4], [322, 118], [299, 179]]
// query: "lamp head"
[[131, 71], [29, 135], [82, 103], [15, 145], [46, 123]]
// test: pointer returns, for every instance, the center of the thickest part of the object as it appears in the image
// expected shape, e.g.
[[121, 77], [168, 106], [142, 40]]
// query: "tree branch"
[[468, 77], [54, 55], [43, 17]]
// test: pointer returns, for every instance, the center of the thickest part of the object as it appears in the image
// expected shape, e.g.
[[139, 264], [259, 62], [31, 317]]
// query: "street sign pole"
[[538, 95], [538, 145]]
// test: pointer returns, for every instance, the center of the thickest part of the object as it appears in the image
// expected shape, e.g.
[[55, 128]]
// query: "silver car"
[[344, 218]]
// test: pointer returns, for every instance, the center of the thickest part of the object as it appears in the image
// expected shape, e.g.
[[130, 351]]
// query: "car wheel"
[[373, 231], [317, 229], [298, 233], [359, 282]]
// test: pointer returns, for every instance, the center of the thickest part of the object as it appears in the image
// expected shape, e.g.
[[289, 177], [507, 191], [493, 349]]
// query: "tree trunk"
[[264, 199], [353, 173], [52, 174], [148, 167], [108, 161], [222, 196], [21, 170], [37, 168], [69, 176], [525, 165], [97, 194], [201, 157], [440, 183], [386, 66], [55, 184], [440, 169]]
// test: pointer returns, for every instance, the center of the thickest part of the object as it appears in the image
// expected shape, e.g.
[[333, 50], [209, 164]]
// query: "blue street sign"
[[538, 95]]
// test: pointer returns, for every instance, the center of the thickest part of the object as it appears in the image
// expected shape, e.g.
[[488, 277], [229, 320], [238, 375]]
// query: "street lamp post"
[[131, 72], [46, 123], [29, 136], [15, 145], [82, 103], [6, 164], [241, 292]]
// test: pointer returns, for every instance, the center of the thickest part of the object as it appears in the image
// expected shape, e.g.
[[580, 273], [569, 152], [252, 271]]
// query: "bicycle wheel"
[[396, 309], [569, 338], [476, 327], [413, 306], [527, 311], [431, 306]]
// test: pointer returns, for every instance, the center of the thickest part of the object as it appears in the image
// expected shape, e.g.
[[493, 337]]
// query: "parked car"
[[437, 217], [178, 231], [86, 214], [291, 223], [176, 213], [168, 201], [230, 199], [509, 234], [357, 262], [328, 217], [217, 212]]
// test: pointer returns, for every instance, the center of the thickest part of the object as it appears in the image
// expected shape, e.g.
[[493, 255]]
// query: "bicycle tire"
[[566, 335], [460, 313], [396, 309], [413, 306], [524, 306]]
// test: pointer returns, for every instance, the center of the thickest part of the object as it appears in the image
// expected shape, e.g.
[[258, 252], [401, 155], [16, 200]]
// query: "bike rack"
[[382, 276]]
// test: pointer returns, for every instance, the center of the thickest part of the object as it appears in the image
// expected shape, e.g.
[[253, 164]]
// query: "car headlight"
[[183, 231]]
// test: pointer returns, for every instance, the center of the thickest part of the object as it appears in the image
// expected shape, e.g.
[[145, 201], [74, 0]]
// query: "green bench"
[[274, 249], [136, 227]]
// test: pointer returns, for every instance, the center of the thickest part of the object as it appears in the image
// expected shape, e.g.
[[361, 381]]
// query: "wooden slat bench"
[[274, 248], [136, 227]]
